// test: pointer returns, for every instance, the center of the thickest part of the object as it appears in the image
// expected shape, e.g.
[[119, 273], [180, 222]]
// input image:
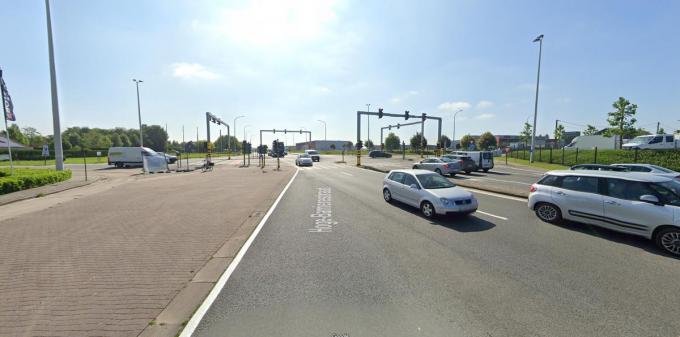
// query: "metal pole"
[[207, 128], [139, 114], [220, 142], [359, 138], [368, 123], [453, 140], [9, 147], [539, 39], [56, 124], [422, 136]]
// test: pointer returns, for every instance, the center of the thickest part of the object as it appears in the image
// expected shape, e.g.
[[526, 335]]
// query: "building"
[[13, 144], [322, 145]]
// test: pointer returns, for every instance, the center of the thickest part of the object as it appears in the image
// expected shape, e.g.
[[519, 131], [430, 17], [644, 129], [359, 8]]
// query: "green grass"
[[666, 158], [50, 162], [536, 164], [25, 178]]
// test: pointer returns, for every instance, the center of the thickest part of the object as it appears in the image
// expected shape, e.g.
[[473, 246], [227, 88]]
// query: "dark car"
[[599, 167], [468, 164], [379, 154]]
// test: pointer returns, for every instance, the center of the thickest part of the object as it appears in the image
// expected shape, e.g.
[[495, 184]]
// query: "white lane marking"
[[505, 181], [347, 174], [492, 215], [498, 195], [212, 296]]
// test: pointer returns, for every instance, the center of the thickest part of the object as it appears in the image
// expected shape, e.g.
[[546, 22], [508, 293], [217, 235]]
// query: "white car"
[[649, 168], [429, 191], [313, 154], [303, 160], [642, 204]]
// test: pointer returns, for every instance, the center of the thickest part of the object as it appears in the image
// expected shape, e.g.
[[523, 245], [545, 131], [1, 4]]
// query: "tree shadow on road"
[[614, 236], [460, 223]]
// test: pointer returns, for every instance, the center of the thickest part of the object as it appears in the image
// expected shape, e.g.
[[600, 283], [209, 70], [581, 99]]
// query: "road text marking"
[[323, 213]]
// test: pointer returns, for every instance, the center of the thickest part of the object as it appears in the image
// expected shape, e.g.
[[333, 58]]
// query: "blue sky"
[[286, 64]]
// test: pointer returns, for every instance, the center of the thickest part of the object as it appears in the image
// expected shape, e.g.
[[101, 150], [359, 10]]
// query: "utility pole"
[[139, 114], [658, 126], [368, 124], [539, 39], [453, 140], [56, 124], [324, 129]]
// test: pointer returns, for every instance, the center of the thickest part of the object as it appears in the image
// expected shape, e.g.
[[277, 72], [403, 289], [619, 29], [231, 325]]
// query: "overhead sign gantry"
[[209, 117], [285, 131]]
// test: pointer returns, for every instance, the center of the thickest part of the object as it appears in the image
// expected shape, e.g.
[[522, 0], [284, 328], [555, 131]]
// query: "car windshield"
[[432, 181], [304, 156], [641, 139], [672, 185], [447, 159]]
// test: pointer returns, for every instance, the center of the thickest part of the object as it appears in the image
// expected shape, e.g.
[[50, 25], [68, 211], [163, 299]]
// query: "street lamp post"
[[453, 140], [139, 113], [228, 139], [244, 131], [538, 39], [324, 129], [368, 123], [56, 123]]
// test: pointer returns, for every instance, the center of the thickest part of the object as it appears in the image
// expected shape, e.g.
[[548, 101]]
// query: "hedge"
[[666, 158], [37, 154], [25, 178]]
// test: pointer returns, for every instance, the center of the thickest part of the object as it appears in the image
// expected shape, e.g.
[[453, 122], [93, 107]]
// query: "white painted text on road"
[[323, 213]]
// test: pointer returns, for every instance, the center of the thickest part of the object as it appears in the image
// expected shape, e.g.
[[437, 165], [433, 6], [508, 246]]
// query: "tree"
[[156, 138], [445, 141], [662, 131], [124, 140], [416, 141], [368, 144], [622, 118], [115, 140], [590, 130], [525, 135], [558, 134], [392, 142], [466, 141], [15, 134], [486, 141], [332, 146]]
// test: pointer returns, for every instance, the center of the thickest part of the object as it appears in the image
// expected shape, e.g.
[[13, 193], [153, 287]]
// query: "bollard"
[[85, 163]]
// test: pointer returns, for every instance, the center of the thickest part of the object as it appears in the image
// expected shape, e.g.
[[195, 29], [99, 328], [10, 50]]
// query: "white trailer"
[[589, 142]]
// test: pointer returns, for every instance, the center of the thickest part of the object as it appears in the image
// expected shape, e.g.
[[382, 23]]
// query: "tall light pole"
[[538, 39], [368, 126], [244, 131], [310, 137], [56, 124], [324, 129], [139, 113], [228, 139], [453, 140]]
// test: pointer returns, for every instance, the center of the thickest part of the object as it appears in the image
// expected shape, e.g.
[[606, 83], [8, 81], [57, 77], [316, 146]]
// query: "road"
[[383, 270]]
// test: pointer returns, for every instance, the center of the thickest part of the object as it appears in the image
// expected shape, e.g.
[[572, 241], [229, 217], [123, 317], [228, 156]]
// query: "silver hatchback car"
[[442, 165], [430, 192]]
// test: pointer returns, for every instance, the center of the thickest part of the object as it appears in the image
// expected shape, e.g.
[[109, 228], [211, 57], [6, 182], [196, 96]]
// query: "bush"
[[24, 178]]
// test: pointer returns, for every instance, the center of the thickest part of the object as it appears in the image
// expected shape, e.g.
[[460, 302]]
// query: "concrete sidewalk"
[[110, 263]]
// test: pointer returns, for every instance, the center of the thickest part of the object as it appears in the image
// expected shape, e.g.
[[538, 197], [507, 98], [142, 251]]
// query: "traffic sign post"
[[45, 152]]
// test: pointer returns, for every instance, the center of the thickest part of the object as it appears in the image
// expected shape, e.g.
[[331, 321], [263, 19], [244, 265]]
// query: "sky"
[[288, 64]]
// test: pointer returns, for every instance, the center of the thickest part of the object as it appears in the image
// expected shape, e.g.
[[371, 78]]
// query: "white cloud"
[[192, 70], [320, 89], [485, 116], [484, 105], [454, 106]]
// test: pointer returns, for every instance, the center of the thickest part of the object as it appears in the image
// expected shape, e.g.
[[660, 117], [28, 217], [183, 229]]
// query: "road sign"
[[45, 151]]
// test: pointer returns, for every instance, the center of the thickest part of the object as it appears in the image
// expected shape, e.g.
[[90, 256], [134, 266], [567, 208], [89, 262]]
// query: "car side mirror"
[[652, 199], [414, 186]]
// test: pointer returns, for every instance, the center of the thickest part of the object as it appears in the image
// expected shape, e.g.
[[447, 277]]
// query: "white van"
[[654, 142], [483, 159], [589, 142], [129, 156]]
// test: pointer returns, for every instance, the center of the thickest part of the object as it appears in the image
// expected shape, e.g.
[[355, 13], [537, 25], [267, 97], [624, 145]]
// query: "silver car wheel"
[[427, 209], [547, 212], [387, 195], [671, 242]]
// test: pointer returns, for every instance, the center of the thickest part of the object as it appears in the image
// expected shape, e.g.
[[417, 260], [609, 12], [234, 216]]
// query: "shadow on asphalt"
[[623, 238], [499, 173], [459, 223]]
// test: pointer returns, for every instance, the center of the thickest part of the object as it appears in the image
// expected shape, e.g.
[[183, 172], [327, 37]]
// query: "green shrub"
[[25, 178]]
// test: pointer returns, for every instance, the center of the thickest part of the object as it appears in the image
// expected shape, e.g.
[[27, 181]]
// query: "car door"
[[427, 164], [578, 197], [396, 185], [625, 212], [411, 195]]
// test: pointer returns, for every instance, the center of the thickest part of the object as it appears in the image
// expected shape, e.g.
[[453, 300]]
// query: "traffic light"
[[380, 112], [300, 131], [389, 127], [274, 130], [398, 125], [285, 131], [424, 116], [406, 116]]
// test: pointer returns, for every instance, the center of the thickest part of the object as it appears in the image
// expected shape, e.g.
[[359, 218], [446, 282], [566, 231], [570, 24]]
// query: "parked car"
[[430, 192], [379, 154], [641, 204], [467, 164], [303, 159], [654, 142], [313, 154], [170, 158], [599, 167], [441, 166], [649, 168], [483, 159]]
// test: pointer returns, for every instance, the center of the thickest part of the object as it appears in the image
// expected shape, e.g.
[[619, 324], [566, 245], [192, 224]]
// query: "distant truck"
[[130, 156], [589, 142], [653, 142]]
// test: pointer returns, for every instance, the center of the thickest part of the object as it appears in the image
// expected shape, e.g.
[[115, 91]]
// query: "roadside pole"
[[4, 110], [403, 150], [84, 162]]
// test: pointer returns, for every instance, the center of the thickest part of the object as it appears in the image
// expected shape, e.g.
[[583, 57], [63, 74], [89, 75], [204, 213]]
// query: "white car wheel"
[[387, 195], [668, 239], [427, 209]]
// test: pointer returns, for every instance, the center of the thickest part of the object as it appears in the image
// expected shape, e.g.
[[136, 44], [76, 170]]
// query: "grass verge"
[[536, 164]]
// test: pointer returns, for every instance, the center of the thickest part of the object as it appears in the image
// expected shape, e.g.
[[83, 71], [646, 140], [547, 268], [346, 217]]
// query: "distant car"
[[430, 192], [653, 169], [303, 160], [441, 166], [641, 204], [467, 164], [314, 154], [379, 154], [599, 167], [483, 159], [170, 158]]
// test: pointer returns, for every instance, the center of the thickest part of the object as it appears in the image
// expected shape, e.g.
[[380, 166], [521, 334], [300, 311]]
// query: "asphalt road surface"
[[381, 269]]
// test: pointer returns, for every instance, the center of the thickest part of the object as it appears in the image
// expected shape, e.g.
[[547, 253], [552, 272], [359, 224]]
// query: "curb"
[[41, 194], [464, 184]]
